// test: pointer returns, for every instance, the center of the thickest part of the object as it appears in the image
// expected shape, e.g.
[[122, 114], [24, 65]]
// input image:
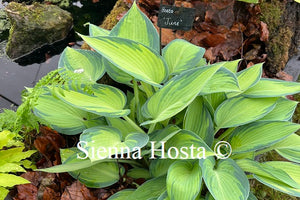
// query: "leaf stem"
[[137, 99], [134, 125], [148, 89], [152, 127], [136, 93]]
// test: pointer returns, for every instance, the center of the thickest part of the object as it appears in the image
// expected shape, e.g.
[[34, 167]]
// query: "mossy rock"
[[4, 25], [112, 19], [34, 26], [281, 18]]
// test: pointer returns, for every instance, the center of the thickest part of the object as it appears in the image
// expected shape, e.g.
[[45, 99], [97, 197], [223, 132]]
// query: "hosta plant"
[[193, 130], [12, 160]]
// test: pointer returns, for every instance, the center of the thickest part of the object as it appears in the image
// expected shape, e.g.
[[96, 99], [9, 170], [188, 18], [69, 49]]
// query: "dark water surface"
[[15, 77]]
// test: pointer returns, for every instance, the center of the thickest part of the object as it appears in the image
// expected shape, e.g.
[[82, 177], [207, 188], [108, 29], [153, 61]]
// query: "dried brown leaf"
[[284, 76], [77, 191], [264, 32], [33, 177], [213, 40], [50, 194], [26, 192], [49, 143], [220, 12]]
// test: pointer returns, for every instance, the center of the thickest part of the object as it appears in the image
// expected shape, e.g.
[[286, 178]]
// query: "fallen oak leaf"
[[77, 191], [26, 192], [50, 194], [49, 143]]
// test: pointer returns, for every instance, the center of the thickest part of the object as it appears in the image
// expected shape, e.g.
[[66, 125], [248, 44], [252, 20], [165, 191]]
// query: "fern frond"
[[23, 120]]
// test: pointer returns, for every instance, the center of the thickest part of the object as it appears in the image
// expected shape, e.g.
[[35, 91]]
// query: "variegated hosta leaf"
[[292, 169], [289, 148], [159, 167], [184, 180], [290, 154], [105, 100], [82, 61], [114, 72], [139, 173], [282, 187], [164, 196], [249, 77], [272, 88], [225, 179], [136, 26], [134, 58], [75, 165], [208, 105], [178, 93], [283, 110], [96, 175], [103, 141], [232, 65], [97, 31], [92, 174], [163, 135], [121, 195], [277, 176], [215, 99], [122, 125], [181, 55], [186, 145], [117, 74], [63, 117], [222, 81], [71, 161], [259, 135], [150, 189], [240, 110], [291, 142], [202, 63], [198, 120]]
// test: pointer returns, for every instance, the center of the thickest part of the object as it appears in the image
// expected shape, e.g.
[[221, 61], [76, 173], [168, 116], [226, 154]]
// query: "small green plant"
[[250, 1], [12, 157], [191, 129]]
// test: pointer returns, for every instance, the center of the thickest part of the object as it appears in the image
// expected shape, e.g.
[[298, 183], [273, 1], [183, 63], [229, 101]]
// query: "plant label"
[[178, 18]]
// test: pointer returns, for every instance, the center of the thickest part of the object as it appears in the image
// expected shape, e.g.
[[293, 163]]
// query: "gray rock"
[[34, 26], [293, 66]]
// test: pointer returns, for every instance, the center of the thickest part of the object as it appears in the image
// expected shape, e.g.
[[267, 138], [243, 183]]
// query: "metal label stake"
[[176, 18]]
